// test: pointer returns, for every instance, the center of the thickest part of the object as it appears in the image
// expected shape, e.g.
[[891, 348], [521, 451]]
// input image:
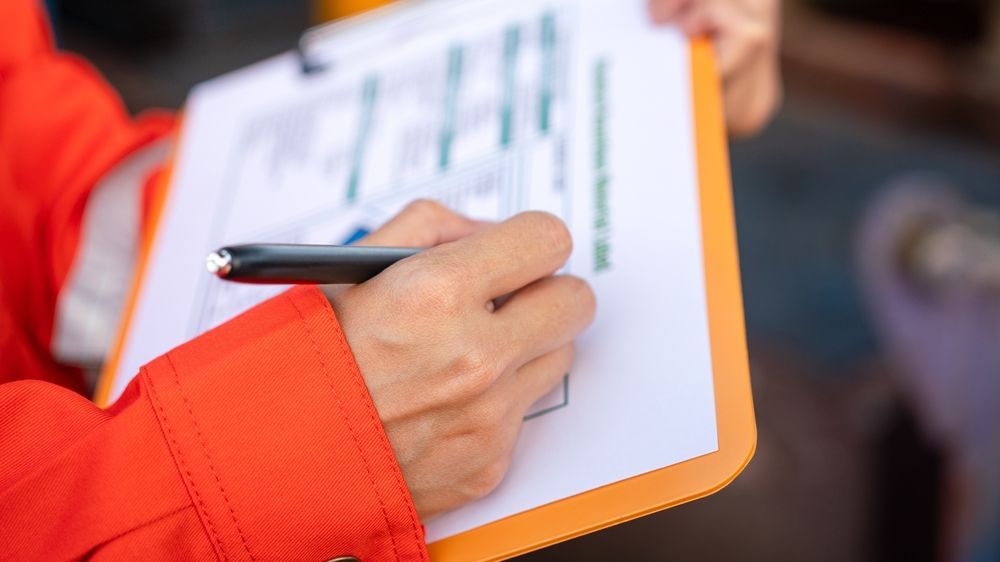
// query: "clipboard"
[[646, 493], [689, 480]]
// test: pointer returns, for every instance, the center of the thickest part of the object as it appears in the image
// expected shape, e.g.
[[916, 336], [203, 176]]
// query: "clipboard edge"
[[109, 371]]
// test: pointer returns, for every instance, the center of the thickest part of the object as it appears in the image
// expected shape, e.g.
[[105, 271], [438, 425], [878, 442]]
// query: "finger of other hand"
[[751, 100], [697, 19], [743, 42], [749, 65], [664, 11]]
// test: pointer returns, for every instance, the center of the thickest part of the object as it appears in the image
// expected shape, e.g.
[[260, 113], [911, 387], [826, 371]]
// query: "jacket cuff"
[[278, 442]]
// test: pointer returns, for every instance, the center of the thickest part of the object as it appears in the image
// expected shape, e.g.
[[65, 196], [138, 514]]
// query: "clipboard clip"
[[318, 47], [310, 57], [313, 57], [310, 65]]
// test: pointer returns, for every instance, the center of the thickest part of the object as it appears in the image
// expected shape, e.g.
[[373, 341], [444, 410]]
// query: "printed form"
[[578, 107]]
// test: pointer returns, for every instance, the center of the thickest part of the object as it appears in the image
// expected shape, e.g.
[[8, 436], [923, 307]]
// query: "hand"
[[746, 38], [451, 374]]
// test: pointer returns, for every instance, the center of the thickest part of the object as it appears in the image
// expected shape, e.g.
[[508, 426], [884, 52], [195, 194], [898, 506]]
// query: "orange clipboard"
[[694, 478], [660, 489]]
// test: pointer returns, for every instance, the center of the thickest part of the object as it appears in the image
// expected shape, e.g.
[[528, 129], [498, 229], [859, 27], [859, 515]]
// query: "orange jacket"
[[255, 441]]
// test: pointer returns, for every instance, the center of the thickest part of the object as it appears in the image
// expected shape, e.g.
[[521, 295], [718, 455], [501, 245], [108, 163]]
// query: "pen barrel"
[[296, 264]]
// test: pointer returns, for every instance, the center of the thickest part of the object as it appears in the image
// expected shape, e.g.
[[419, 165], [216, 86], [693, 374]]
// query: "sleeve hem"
[[312, 297], [183, 467], [269, 464]]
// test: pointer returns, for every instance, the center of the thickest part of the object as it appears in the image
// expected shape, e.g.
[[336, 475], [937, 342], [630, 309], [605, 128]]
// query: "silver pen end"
[[220, 263]]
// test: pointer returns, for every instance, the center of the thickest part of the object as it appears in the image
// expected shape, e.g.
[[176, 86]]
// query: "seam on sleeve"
[[208, 457], [343, 413], [373, 415], [182, 464]]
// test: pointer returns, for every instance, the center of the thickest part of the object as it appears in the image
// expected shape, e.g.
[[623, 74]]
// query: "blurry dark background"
[[874, 89]]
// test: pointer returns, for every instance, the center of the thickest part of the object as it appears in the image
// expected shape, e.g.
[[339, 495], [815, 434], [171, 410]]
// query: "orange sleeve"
[[256, 441], [62, 128]]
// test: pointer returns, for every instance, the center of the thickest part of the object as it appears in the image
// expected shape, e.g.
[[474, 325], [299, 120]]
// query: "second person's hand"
[[746, 37]]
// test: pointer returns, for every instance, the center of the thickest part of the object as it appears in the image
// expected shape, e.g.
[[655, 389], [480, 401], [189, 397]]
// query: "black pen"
[[303, 264]]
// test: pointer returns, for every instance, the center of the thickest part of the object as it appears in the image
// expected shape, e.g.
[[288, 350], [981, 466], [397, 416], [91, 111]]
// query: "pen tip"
[[220, 263]]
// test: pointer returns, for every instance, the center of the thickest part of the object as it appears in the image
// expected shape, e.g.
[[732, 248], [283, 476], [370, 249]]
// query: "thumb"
[[422, 224]]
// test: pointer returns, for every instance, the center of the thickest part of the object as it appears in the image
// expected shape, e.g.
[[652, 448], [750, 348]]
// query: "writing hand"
[[450, 374]]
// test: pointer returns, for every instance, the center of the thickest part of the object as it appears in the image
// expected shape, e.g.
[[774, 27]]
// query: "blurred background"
[[867, 218]]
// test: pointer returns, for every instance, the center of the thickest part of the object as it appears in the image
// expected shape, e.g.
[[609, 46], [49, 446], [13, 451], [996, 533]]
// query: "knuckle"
[[488, 478], [431, 287], [476, 370], [440, 295], [408, 281], [552, 231]]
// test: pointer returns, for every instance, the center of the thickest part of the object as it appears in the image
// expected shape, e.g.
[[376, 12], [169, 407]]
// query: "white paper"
[[578, 107]]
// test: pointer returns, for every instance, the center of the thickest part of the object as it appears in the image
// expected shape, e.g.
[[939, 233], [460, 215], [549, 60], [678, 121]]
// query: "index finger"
[[510, 255]]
